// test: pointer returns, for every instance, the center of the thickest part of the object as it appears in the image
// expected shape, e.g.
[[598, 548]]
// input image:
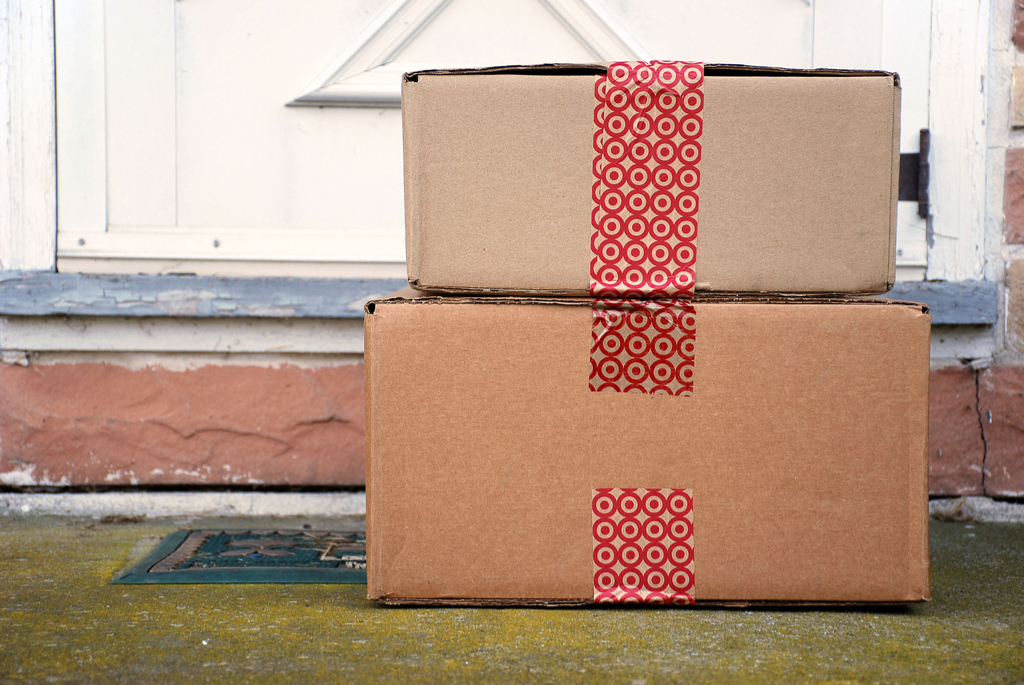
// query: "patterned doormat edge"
[[162, 565]]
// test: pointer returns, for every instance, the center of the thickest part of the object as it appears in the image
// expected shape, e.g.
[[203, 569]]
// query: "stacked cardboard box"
[[724, 419]]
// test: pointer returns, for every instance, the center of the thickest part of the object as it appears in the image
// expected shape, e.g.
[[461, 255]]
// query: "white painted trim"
[[368, 49], [911, 249], [975, 510], [959, 344], [957, 119], [126, 334], [28, 222], [909, 273], [81, 115], [174, 504], [236, 267], [365, 75], [320, 505], [234, 244]]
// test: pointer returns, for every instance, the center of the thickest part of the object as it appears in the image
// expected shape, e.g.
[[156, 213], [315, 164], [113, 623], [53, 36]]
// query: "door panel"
[[189, 160]]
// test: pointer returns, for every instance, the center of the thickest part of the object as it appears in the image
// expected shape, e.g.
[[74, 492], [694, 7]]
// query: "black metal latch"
[[914, 175]]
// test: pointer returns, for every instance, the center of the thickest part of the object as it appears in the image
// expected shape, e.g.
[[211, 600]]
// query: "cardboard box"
[[802, 447], [794, 179]]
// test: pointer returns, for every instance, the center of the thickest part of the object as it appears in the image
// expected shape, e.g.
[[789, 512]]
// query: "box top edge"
[[596, 68], [407, 296]]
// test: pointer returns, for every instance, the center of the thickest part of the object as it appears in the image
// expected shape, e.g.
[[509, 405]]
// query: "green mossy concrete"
[[60, 621]]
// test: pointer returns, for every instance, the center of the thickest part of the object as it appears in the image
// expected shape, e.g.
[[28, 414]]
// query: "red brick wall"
[[956, 449], [215, 425], [976, 443], [1001, 404]]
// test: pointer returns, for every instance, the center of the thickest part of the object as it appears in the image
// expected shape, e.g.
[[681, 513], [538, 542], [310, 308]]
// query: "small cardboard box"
[[791, 178], [797, 455]]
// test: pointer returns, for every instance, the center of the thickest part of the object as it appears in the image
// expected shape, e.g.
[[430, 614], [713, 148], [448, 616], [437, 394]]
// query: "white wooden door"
[[263, 136]]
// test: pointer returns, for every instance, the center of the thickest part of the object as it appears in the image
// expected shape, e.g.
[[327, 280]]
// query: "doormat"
[[252, 556]]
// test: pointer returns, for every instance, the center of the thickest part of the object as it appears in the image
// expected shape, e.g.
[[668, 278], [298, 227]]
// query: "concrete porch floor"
[[60, 621]]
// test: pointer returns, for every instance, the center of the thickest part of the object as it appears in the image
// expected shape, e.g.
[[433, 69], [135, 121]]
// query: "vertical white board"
[[81, 115], [959, 64], [27, 149]]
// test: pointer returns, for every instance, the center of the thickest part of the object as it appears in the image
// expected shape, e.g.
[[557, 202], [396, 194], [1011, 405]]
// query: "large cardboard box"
[[786, 178], [795, 460]]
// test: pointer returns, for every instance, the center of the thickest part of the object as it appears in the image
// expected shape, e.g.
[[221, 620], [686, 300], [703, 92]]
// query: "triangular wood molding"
[[365, 75]]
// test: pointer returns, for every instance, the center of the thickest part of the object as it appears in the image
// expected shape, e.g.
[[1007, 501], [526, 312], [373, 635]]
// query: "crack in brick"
[[333, 418], [981, 426]]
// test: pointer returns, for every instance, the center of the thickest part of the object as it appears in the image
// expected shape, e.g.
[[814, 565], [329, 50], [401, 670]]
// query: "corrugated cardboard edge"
[[412, 186], [710, 69], [565, 603], [375, 581], [415, 284], [919, 562], [414, 296], [551, 603], [410, 296], [897, 103], [745, 295], [920, 574]]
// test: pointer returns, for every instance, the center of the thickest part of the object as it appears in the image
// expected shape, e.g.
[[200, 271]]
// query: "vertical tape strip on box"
[[643, 545], [647, 154], [644, 346]]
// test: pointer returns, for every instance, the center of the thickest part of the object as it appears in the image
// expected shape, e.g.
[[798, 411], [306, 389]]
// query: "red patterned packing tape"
[[647, 152], [643, 545], [644, 346]]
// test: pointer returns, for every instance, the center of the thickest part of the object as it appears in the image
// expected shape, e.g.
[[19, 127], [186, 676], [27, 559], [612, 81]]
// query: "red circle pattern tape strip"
[[647, 151], [644, 346], [643, 545]]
